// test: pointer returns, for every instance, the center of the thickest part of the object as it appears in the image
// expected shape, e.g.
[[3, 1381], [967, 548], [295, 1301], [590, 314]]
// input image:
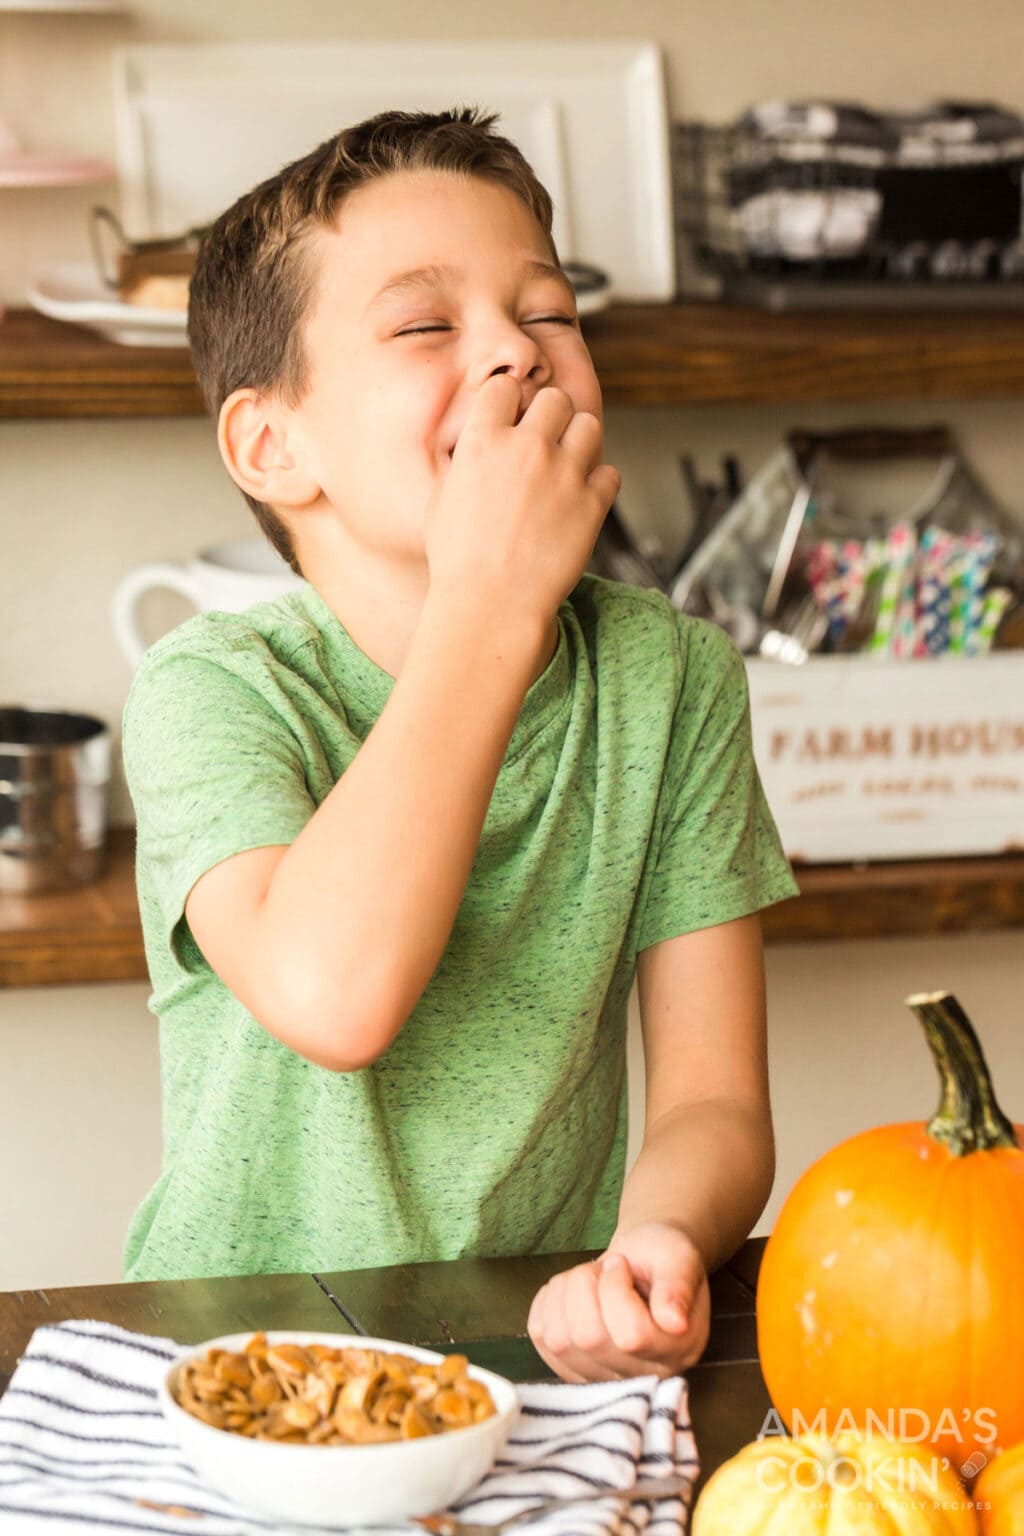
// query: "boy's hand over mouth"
[[643, 1309], [513, 522]]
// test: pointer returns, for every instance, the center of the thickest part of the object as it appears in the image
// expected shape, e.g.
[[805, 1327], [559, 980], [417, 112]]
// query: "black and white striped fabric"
[[85, 1448]]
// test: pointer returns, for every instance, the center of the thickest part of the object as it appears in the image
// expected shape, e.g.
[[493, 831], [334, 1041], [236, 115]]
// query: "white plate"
[[71, 290], [59, 6], [200, 123], [28, 168]]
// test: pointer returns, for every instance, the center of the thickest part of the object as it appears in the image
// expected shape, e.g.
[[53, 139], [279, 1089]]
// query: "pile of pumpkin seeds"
[[314, 1394]]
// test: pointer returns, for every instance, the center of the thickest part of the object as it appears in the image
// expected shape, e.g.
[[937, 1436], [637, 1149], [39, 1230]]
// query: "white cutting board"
[[198, 124]]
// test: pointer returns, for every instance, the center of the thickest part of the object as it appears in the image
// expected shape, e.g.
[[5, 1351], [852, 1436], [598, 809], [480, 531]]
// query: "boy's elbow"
[[351, 1051], [344, 1061], [338, 1034]]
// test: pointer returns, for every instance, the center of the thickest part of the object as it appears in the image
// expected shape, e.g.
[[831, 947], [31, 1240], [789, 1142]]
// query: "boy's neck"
[[379, 606], [379, 612]]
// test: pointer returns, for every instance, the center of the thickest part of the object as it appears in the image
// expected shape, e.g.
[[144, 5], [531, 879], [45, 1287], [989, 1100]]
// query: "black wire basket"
[[879, 207]]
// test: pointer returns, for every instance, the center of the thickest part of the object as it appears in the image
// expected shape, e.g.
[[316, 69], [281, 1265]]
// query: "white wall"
[[80, 1133], [82, 502]]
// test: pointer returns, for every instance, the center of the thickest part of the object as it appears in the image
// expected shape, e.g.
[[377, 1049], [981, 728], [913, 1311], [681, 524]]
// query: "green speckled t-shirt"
[[627, 810]]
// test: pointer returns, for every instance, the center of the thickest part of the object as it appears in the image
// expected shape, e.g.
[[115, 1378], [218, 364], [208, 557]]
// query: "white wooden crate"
[[865, 758]]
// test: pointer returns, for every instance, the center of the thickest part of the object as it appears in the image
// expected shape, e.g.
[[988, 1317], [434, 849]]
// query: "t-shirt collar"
[[359, 674]]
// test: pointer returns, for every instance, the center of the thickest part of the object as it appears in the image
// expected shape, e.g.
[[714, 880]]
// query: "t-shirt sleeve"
[[212, 769], [718, 854]]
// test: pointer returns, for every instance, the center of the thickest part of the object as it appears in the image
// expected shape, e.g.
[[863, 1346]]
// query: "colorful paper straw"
[[900, 549], [993, 608]]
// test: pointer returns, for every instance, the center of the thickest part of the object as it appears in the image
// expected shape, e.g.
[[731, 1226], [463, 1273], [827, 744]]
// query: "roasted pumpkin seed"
[[319, 1395]]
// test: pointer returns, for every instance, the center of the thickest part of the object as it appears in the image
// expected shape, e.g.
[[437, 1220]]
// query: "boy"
[[405, 835]]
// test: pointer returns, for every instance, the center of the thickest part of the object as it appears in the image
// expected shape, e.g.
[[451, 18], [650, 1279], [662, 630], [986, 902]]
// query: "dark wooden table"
[[478, 1306]]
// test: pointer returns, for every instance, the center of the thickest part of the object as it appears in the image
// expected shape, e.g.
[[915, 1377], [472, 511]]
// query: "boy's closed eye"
[[424, 330]]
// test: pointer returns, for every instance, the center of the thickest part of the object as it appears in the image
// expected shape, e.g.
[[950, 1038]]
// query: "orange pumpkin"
[[999, 1495], [892, 1288]]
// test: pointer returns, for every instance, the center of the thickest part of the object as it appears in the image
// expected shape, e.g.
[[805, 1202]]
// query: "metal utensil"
[[621, 557], [652, 1489], [741, 624], [784, 554], [708, 503], [801, 632], [444, 1524]]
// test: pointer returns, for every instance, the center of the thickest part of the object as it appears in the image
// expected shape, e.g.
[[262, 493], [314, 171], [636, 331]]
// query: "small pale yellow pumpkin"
[[999, 1494], [849, 1485]]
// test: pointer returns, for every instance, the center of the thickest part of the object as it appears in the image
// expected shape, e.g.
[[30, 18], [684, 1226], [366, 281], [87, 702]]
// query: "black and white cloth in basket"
[[85, 1448]]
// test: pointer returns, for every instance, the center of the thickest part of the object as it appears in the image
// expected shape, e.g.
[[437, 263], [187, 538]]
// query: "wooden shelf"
[[93, 934], [900, 899], [48, 368], [88, 934], [645, 354], [692, 354]]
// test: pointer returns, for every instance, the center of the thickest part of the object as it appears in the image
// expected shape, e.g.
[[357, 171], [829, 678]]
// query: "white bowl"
[[341, 1485]]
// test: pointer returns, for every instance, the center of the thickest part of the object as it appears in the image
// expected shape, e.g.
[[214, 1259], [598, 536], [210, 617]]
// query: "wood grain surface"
[[473, 1300], [49, 368], [186, 1310], [90, 933], [645, 354]]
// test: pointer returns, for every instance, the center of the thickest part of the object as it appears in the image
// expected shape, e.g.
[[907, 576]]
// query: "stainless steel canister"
[[54, 783]]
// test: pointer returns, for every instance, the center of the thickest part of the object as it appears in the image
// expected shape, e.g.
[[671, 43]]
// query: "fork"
[[652, 1488]]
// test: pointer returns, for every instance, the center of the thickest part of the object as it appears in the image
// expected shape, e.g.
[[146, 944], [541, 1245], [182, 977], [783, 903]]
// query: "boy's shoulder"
[[279, 626], [260, 638], [208, 665], [641, 625]]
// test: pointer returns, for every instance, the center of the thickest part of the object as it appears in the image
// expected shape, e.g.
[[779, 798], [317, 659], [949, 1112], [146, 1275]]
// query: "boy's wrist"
[[513, 633]]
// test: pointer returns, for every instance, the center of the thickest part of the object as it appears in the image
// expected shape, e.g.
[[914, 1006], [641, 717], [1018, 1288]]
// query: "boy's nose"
[[510, 349], [536, 372]]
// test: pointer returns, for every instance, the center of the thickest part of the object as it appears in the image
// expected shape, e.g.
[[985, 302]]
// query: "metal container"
[[54, 781]]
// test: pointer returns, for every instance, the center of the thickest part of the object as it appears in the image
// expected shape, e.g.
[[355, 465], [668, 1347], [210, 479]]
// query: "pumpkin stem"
[[968, 1118]]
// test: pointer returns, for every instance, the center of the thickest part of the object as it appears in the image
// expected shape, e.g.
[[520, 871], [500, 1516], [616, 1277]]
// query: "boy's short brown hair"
[[252, 285]]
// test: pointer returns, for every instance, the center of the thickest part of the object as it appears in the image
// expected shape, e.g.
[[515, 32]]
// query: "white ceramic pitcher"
[[229, 577]]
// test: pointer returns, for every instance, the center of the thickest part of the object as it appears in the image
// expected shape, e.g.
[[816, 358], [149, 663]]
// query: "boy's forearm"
[[706, 1167], [360, 907]]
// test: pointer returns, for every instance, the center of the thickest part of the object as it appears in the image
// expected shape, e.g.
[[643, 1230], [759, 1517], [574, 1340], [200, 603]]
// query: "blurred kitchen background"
[[85, 501]]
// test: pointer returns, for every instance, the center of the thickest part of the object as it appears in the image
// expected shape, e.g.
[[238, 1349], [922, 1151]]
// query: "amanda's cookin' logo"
[[885, 1474]]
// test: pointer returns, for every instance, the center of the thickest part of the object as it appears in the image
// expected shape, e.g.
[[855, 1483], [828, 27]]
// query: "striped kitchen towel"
[[85, 1448]]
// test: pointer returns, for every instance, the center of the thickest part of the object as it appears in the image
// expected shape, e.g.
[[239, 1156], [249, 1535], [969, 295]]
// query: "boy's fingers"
[[584, 439], [670, 1306], [496, 402], [607, 482], [584, 1321], [551, 413], [537, 1328], [625, 1313]]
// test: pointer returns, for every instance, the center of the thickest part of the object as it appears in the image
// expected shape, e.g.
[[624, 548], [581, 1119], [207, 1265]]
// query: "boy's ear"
[[261, 448]]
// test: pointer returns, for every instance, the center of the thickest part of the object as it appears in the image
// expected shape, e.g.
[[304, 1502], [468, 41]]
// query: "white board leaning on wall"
[[198, 124]]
